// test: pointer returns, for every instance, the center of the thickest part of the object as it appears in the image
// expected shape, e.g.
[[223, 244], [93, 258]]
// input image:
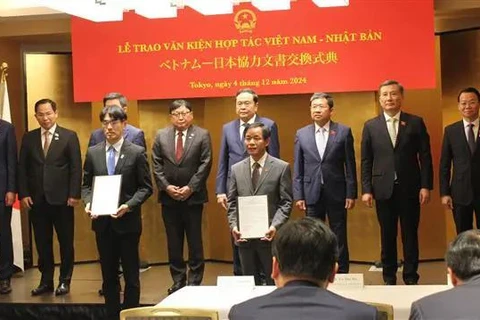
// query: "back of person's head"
[[115, 96], [306, 249], [463, 255]]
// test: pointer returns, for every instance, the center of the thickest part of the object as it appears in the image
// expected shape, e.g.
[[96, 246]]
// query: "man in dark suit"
[[182, 160], [232, 149], [304, 263], [8, 188], [325, 174], [118, 235], [130, 133], [259, 174], [397, 173], [463, 265], [461, 193], [50, 176]]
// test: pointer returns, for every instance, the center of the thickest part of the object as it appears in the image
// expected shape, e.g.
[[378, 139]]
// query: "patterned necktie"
[[255, 175], [179, 150], [46, 143], [471, 138], [392, 130], [111, 160]]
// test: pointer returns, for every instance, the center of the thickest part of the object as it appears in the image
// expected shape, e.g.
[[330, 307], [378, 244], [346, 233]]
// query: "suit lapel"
[[236, 127], [171, 142], [37, 139], [122, 157], [332, 136], [265, 172], [462, 138], [312, 142], [382, 127], [189, 138], [402, 126], [102, 156], [126, 133], [247, 175]]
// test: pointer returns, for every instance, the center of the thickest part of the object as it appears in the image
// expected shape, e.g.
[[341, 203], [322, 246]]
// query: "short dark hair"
[[43, 101], [248, 90], [306, 248], [179, 103], [115, 95], [266, 132], [115, 112], [323, 95], [391, 83], [463, 255], [469, 90]]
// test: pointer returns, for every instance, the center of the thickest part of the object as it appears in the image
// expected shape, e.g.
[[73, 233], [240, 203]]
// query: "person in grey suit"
[[259, 174], [463, 265], [182, 160], [118, 235], [304, 263], [8, 189], [460, 191], [130, 133], [325, 174], [49, 184], [232, 150]]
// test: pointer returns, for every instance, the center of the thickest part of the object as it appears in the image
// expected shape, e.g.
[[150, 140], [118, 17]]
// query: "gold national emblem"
[[245, 21]]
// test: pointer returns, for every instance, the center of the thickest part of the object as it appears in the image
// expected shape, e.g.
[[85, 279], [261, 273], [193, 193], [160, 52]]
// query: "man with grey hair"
[[463, 265], [397, 172], [325, 175]]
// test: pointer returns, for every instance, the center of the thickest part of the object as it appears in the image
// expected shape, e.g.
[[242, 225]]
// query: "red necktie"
[[179, 151]]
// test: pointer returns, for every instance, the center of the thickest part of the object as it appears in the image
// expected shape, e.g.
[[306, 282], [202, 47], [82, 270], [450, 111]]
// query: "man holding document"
[[259, 200], [117, 168]]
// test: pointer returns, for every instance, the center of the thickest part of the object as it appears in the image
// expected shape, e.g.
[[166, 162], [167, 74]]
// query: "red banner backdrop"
[[302, 50]]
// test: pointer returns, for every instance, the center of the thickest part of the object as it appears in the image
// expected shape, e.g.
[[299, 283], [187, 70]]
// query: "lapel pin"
[[403, 123], [56, 138], [121, 156], [332, 132]]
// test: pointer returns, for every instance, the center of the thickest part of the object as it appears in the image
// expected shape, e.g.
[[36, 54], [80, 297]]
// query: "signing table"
[[222, 299]]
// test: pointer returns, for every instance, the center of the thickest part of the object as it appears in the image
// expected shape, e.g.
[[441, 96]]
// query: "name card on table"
[[348, 280], [244, 282]]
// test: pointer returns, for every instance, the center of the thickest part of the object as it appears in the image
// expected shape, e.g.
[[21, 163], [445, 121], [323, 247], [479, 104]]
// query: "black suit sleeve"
[[274, 146], [22, 168], [87, 178], [203, 170], [425, 158], [75, 164], [11, 160], [445, 165], [350, 166], [144, 182], [367, 161]]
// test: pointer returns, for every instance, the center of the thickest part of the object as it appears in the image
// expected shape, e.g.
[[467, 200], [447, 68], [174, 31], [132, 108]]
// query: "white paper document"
[[105, 194], [253, 216]]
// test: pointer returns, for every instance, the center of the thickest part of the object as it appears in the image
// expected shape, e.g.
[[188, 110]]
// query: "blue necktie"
[[111, 161]]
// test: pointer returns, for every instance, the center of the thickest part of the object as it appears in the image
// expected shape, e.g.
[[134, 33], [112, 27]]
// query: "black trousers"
[[388, 213], [6, 246], [113, 247], [253, 252], [337, 220], [463, 215], [44, 218], [180, 220], [237, 266]]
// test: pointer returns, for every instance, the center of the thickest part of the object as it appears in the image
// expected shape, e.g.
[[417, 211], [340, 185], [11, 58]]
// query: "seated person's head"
[[463, 257], [304, 249]]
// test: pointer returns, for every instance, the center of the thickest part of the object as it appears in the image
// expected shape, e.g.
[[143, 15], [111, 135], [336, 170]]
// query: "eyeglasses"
[[105, 123], [180, 114]]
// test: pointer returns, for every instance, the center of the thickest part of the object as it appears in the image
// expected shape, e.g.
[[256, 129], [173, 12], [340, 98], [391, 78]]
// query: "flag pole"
[[4, 68]]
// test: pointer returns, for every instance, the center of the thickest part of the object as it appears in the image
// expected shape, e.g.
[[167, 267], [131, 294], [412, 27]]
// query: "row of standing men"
[[396, 172]]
